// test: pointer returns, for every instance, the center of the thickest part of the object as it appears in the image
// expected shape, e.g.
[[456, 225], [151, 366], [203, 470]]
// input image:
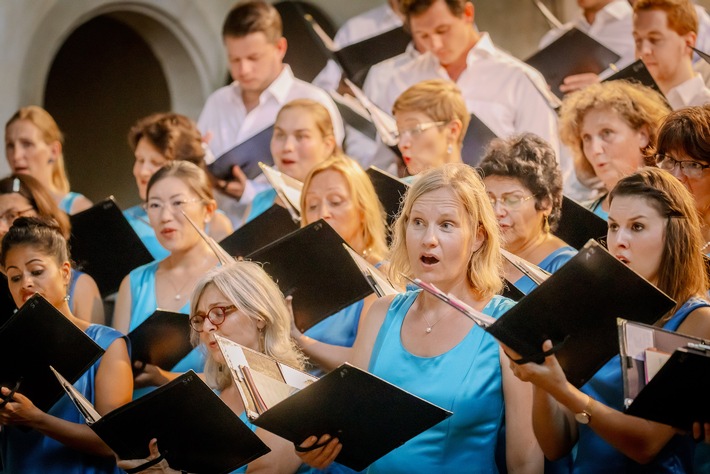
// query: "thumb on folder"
[[577, 82]]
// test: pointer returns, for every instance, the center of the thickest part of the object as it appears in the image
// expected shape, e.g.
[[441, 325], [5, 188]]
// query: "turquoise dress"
[[596, 207], [68, 201], [138, 218], [261, 203], [30, 452], [144, 304], [594, 455], [75, 274], [551, 264], [465, 380]]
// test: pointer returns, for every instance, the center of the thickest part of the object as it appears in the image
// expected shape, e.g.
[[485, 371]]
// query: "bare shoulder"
[[697, 323], [81, 203]]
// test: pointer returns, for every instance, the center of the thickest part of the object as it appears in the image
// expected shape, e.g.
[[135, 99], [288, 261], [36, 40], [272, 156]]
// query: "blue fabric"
[[262, 201], [138, 218], [68, 201], [551, 264], [31, 452], [465, 380], [594, 455], [596, 207], [75, 274], [143, 304]]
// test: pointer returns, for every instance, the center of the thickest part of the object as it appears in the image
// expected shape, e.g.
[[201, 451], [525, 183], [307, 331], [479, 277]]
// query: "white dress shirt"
[[226, 118], [691, 92]]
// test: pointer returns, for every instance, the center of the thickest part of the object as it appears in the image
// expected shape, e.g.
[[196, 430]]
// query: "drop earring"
[[450, 149], [546, 224]]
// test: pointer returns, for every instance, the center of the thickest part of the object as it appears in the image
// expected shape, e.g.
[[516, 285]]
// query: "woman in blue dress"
[[447, 235], [610, 127], [35, 258], [177, 187], [33, 145], [156, 140], [654, 229], [339, 192], [524, 185]]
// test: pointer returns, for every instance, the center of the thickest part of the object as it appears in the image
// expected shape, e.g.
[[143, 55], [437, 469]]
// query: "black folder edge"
[[583, 226], [154, 330], [261, 225], [638, 73], [126, 445], [516, 328], [289, 420], [246, 155], [385, 186], [38, 304]]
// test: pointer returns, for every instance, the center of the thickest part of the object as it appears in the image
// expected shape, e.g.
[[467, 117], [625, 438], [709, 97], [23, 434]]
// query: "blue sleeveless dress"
[[143, 304], [30, 452], [596, 207], [138, 218], [68, 201], [594, 455], [262, 201], [551, 264], [465, 380]]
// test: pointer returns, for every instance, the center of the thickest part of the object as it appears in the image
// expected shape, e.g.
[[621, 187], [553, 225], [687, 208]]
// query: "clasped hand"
[[19, 410]]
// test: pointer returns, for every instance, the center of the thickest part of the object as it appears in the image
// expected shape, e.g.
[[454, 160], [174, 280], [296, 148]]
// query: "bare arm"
[[87, 300], [122, 310], [220, 226], [81, 203], [281, 460]]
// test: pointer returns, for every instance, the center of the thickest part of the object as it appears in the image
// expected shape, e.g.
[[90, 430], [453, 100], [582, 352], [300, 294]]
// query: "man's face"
[[660, 48], [441, 32], [254, 61]]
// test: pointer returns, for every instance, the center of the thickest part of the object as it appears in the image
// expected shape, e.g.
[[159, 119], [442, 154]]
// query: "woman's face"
[[166, 199], [699, 186], [440, 239], [328, 197], [27, 152], [636, 235], [31, 271], [611, 146], [12, 206], [514, 206], [237, 326], [148, 161], [423, 145], [297, 144]]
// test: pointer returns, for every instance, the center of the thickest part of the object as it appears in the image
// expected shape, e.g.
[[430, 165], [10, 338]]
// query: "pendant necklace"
[[430, 326]]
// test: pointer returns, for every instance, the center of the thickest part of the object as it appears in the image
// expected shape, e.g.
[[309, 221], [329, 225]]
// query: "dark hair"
[[253, 17], [531, 160], [417, 7], [686, 130], [39, 198], [39, 232], [174, 136]]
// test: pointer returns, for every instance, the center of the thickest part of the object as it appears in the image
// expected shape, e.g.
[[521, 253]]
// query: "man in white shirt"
[[665, 32], [233, 114]]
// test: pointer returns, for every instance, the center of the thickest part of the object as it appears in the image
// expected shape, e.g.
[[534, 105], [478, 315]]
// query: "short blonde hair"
[[439, 99], [316, 110], [484, 265], [363, 195], [247, 286], [637, 105]]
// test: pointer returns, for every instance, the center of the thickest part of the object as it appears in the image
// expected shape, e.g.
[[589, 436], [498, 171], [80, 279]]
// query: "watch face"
[[582, 418]]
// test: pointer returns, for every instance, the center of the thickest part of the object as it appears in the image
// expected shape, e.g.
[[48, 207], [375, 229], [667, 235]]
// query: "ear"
[[210, 209], [454, 127], [644, 136], [469, 12], [479, 239], [56, 150], [691, 38], [546, 205], [65, 272], [281, 47], [330, 144], [260, 324]]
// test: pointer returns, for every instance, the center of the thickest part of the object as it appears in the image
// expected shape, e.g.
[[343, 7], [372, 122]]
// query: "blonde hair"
[[437, 98], [50, 132], [315, 110], [484, 265], [362, 194], [247, 286], [637, 105]]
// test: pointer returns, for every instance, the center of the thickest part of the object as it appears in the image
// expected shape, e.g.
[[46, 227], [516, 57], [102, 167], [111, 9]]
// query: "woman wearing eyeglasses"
[[431, 122], [524, 184], [610, 128], [177, 187], [684, 150]]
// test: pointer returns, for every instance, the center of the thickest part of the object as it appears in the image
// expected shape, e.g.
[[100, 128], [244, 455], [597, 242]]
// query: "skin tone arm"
[[87, 301], [81, 203], [122, 310], [113, 387]]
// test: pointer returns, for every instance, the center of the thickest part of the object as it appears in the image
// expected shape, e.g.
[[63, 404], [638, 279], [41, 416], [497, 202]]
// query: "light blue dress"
[[551, 264], [465, 380], [138, 218], [596, 207], [594, 455], [261, 203], [144, 304], [30, 452], [68, 201]]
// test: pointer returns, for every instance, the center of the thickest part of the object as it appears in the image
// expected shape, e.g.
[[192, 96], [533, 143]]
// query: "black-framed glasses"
[[216, 316], [690, 168]]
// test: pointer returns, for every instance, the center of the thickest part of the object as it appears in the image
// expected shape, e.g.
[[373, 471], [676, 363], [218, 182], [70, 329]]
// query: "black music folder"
[[575, 52], [271, 225], [370, 416], [34, 338], [666, 375], [511, 291], [246, 155], [354, 114], [635, 72], [475, 142], [312, 266], [163, 339], [195, 430], [390, 191], [578, 224], [104, 245]]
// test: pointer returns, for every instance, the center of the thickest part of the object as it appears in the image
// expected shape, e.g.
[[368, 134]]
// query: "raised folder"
[[370, 416], [578, 224], [34, 338], [104, 245], [312, 266], [390, 191], [666, 375], [267, 227], [163, 339], [246, 155], [635, 72], [576, 308], [196, 431]]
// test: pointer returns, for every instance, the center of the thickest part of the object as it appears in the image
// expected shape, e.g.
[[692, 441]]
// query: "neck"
[[526, 250], [192, 258], [683, 74], [458, 66], [454, 156]]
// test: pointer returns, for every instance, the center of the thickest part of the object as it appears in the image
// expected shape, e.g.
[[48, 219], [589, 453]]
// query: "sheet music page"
[[638, 339], [82, 404]]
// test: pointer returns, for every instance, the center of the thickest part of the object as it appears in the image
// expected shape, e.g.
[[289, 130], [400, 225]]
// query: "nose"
[[324, 211], [499, 209], [436, 43], [27, 281], [676, 171], [430, 238], [243, 68], [643, 48], [596, 146], [145, 170], [208, 326], [289, 142], [622, 238]]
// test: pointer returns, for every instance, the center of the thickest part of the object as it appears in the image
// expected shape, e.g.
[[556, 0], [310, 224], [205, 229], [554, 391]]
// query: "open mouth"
[[429, 260], [623, 260]]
